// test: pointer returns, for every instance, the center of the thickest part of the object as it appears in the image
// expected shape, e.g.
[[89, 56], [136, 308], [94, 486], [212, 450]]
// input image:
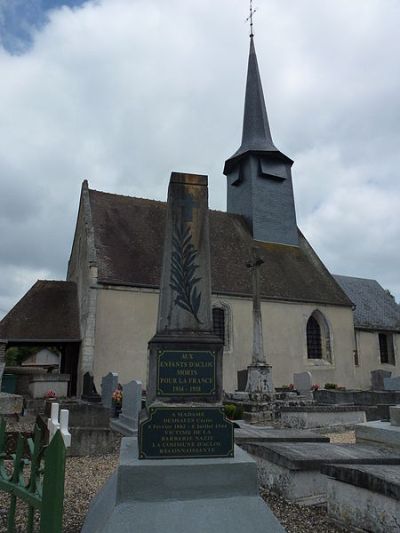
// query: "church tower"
[[259, 175]]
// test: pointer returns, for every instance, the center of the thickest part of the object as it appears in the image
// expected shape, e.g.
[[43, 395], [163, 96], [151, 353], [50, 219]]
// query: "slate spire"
[[256, 134], [258, 174]]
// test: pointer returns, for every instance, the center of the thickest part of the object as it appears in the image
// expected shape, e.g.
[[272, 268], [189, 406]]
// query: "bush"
[[331, 386], [230, 409], [233, 412]]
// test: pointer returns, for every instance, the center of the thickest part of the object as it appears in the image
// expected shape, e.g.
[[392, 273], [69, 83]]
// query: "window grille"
[[218, 315], [314, 347]]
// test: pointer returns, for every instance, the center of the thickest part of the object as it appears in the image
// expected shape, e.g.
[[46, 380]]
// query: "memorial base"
[[180, 495], [259, 380]]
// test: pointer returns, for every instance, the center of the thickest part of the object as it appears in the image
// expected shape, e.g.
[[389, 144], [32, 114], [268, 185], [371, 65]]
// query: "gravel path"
[[86, 475]]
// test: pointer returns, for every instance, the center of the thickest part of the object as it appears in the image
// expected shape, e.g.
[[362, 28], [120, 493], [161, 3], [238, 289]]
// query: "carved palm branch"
[[183, 270]]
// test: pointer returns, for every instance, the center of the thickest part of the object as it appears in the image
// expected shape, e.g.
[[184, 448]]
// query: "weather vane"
[[250, 18]]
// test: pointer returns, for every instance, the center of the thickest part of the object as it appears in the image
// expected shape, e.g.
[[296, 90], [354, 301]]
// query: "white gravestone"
[[302, 382], [59, 421], [127, 423]]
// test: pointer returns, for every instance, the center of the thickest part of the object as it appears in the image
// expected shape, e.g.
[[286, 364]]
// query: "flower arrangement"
[[315, 387], [117, 397], [50, 395]]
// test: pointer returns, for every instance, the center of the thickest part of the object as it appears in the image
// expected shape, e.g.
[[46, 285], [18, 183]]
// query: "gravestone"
[[127, 422], [302, 382], [89, 392], [377, 379], [108, 385], [395, 415], [392, 383], [242, 380]]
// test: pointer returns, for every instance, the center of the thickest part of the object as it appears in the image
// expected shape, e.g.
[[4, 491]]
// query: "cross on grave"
[[54, 424], [187, 204]]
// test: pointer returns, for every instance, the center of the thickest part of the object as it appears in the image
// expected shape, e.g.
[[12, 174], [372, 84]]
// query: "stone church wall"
[[126, 320], [369, 356]]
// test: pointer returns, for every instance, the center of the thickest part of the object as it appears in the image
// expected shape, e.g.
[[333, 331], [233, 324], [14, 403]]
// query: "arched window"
[[318, 337], [314, 346], [218, 315]]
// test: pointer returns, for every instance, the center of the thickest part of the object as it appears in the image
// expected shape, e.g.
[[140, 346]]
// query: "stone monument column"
[[184, 415], [259, 373]]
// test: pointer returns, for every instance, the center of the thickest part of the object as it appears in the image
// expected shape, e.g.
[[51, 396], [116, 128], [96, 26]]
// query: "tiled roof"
[[375, 307], [129, 236], [47, 312]]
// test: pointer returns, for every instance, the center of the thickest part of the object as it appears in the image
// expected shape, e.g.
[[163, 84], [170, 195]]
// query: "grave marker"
[[127, 422], [108, 385]]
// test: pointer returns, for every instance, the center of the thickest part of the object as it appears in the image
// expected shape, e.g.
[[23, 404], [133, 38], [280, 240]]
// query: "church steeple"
[[259, 175]]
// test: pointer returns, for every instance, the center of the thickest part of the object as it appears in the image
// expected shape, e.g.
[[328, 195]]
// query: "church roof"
[[375, 307], [47, 313], [129, 236], [256, 133]]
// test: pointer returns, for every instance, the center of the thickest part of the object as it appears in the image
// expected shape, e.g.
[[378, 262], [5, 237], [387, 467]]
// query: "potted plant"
[[117, 396]]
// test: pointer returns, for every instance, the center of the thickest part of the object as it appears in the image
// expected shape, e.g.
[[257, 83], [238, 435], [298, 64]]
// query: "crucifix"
[[258, 345], [250, 18]]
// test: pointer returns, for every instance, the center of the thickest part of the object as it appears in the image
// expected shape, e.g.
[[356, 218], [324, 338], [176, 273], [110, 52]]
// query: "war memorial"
[[184, 472]]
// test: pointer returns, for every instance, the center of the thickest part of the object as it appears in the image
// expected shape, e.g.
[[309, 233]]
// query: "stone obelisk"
[[199, 486], [184, 415]]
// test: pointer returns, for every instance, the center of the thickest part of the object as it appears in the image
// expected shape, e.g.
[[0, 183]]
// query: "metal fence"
[[36, 478]]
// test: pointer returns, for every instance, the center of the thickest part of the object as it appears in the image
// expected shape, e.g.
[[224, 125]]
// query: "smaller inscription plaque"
[[171, 433], [186, 373]]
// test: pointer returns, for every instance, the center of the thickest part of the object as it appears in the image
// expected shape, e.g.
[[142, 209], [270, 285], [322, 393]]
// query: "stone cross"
[[59, 421], [108, 385]]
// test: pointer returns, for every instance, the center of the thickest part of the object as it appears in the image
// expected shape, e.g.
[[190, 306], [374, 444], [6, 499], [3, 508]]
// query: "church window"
[[218, 315], [314, 346], [386, 348], [318, 337]]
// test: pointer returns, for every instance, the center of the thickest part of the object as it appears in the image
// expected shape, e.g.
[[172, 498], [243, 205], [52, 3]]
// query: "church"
[[101, 318]]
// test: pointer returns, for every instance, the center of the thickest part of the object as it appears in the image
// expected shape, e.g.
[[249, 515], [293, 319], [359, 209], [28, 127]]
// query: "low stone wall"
[[321, 416]]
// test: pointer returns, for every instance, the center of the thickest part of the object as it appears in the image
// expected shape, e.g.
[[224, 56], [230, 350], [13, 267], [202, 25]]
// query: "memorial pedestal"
[[178, 496]]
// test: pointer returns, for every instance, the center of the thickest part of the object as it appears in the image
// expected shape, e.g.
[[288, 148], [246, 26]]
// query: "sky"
[[122, 92]]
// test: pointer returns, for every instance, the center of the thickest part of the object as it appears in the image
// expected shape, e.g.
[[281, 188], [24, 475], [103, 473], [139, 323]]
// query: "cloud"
[[122, 92]]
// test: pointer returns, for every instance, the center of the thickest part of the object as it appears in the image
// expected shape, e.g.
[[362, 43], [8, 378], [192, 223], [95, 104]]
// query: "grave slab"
[[366, 497], [379, 433], [293, 469], [249, 433], [180, 495], [316, 416]]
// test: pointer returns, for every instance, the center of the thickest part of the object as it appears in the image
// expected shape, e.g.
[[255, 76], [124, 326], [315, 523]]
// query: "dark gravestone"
[[377, 379], [185, 357], [89, 392], [242, 380]]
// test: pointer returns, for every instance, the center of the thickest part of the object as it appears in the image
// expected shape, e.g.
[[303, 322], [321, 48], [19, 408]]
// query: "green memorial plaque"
[[186, 373], [185, 432]]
